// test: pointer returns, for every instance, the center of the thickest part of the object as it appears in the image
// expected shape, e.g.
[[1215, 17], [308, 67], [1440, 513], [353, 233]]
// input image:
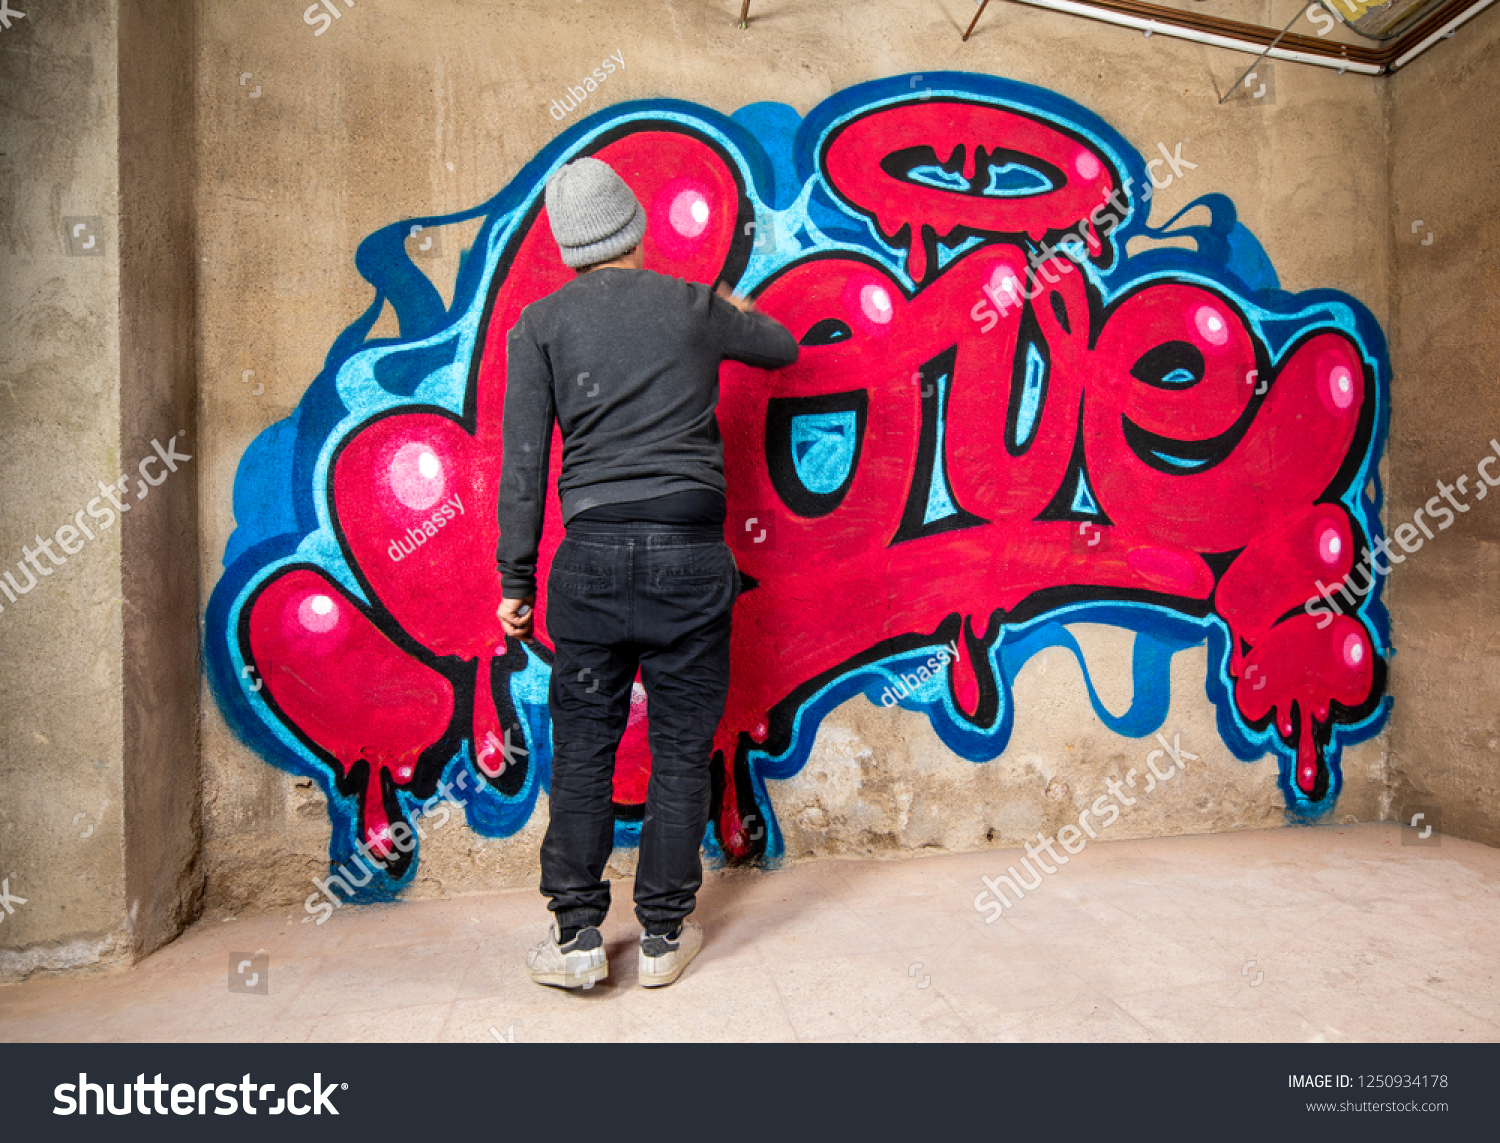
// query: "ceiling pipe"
[[1213, 39], [1147, 17], [1442, 33], [1168, 27]]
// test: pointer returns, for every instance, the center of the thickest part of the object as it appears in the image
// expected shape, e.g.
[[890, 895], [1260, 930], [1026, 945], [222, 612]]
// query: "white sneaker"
[[580, 963], [663, 959]]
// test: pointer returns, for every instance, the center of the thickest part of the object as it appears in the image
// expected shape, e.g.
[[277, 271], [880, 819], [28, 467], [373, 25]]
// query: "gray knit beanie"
[[595, 217]]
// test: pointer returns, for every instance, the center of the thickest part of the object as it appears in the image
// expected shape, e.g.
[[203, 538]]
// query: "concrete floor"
[[1327, 934]]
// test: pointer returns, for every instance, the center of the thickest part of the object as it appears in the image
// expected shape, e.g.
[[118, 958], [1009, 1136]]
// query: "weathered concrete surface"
[[158, 386], [98, 680], [1333, 934], [1445, 350], [60, 644], [404, 110], [880, 782]]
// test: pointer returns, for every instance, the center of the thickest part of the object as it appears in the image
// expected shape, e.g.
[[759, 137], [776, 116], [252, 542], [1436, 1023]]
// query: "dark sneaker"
[[663, 958], [578, 964]]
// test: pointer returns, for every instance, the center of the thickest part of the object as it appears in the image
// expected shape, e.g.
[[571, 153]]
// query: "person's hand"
[[743, 304], [516, 617]]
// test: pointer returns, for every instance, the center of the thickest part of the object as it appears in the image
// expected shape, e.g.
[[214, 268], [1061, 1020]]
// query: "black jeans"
[[620, 595]]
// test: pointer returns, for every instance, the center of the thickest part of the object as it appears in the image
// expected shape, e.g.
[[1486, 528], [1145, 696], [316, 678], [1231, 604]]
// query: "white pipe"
[[1213, 39], [1440, 33]]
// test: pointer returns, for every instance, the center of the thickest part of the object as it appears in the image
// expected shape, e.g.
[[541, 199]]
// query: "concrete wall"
[[1445, 345], [311, 142], [235, 158], [97, 663]]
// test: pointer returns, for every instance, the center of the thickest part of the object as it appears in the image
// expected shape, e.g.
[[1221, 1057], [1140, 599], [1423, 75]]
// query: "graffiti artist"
[[643, 578]]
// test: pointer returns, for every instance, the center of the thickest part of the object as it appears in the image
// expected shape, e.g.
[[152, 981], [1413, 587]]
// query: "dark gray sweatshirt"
[[627, 362]]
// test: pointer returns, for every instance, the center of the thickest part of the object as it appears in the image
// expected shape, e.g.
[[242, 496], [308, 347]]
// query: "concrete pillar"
[[1445, 356], [98, 660]]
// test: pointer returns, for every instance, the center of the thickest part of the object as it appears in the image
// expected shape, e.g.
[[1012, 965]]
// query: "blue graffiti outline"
[[281, 487]]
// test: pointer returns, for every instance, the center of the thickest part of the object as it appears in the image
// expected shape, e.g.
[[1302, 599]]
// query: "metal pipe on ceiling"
[[1151, 18], [1442, 33], [1213, 39]]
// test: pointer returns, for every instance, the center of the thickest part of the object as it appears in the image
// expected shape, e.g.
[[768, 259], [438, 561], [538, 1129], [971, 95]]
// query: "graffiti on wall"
[[1003, 421]]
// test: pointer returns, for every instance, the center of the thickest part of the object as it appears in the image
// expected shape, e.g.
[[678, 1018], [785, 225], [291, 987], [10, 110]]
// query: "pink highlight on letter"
[[875, 301], [1330, 546], [1211, 325], [689, 213], [417, 476], [681, 218], [318, 613], [1354, 649], [1341, 386]]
